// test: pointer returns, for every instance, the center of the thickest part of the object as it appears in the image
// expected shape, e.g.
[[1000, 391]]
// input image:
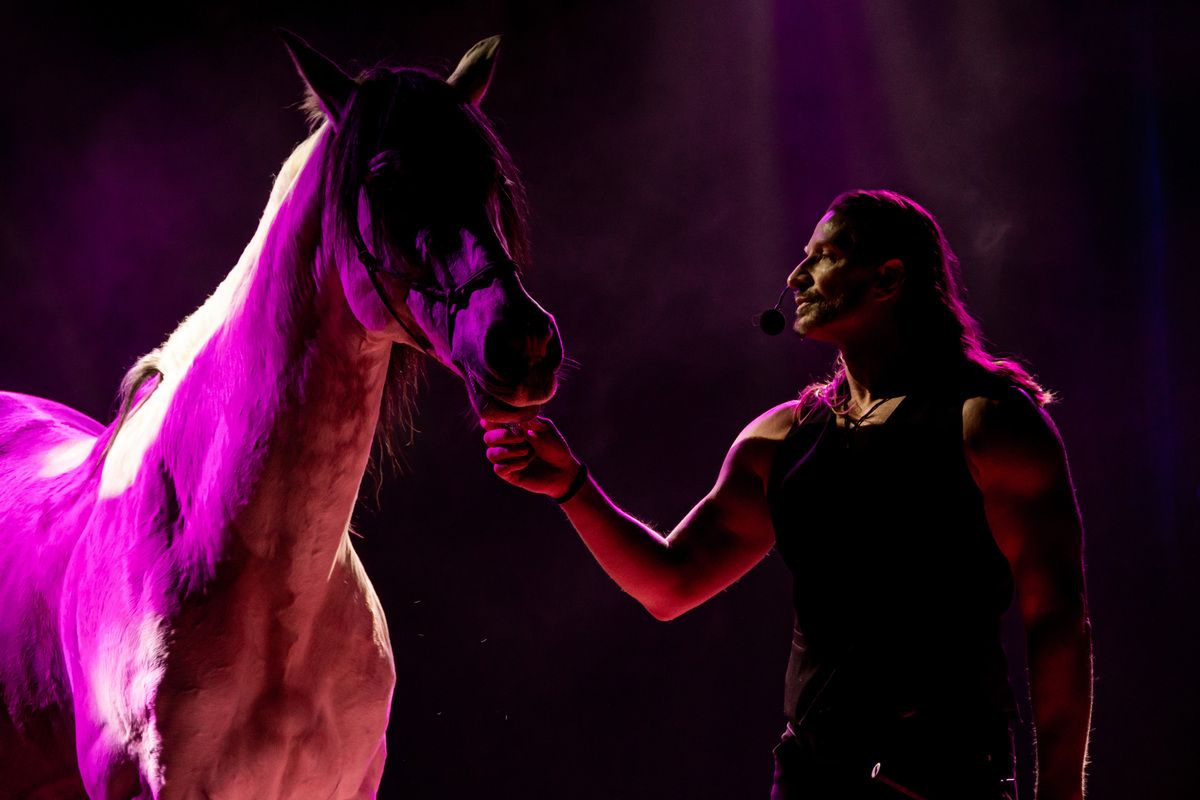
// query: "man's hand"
[[531, 455]]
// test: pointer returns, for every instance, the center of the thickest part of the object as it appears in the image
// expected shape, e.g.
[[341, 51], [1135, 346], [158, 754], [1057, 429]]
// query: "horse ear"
[[474, 72], [325, 80]]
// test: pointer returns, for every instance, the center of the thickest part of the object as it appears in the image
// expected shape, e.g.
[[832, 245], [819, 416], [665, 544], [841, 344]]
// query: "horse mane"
[[172, 358], [347, 153]]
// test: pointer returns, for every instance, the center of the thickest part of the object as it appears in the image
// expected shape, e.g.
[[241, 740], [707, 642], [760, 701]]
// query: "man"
[[908, 494]]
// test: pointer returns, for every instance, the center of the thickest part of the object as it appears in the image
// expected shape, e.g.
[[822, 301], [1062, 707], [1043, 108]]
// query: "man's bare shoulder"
[[1009, 431], [773, 424], [753, 451], [1002, 416]]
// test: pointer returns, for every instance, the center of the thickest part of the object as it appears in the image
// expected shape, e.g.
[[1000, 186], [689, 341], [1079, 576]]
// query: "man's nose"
[[799, 279]]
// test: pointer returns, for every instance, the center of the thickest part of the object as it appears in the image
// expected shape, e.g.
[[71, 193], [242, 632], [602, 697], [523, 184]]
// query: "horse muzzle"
[[515, 389]]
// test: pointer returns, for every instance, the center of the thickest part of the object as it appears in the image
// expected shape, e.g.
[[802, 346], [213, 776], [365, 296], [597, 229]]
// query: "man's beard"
[[821, 311]]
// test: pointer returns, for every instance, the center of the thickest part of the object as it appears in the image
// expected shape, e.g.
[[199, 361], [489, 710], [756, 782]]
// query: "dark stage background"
[[677, 155]]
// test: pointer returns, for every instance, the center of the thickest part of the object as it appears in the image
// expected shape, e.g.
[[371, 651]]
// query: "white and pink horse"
[[182, 613]]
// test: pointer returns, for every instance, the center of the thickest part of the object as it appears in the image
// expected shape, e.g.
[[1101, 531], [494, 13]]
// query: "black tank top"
[[898, 585]]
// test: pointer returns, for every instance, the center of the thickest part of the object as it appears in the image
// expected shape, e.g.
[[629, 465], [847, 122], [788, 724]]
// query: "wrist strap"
[[576, 484]]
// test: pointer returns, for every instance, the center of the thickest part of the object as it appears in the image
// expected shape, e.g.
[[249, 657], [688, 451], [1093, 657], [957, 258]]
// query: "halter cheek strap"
[[374, 267]]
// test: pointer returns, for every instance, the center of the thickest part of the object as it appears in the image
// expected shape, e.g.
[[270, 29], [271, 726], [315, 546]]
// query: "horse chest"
[[266, 698]]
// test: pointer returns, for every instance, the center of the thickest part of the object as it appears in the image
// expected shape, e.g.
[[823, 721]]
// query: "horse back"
[[48, 454], [48, 459]]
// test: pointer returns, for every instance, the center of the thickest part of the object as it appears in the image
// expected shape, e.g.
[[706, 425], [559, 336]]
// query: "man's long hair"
[[882, 225]]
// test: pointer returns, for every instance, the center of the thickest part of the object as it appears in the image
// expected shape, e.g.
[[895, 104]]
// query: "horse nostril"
[[514, 347], [539, 337], [552, 351]]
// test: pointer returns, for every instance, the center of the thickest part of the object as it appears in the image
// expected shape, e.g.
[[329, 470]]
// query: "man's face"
[[829, 289]]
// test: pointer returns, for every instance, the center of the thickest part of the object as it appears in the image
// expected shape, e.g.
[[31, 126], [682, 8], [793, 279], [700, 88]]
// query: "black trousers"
[[920, 757]]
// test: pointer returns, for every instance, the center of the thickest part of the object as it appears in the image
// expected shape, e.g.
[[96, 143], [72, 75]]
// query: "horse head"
[[424, 221]]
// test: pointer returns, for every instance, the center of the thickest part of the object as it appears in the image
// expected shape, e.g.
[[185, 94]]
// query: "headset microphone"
[[772, 322]]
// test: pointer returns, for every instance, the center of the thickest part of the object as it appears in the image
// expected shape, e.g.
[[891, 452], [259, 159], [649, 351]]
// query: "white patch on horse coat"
[[123, 681], [64, 457]]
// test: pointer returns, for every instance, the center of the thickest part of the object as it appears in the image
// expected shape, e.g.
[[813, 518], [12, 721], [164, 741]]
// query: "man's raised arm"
[[720, 539]]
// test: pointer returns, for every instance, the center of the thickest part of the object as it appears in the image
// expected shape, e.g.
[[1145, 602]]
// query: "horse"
[[182, 613]]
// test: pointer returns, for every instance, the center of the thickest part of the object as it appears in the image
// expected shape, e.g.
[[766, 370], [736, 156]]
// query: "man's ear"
[[889, 277]]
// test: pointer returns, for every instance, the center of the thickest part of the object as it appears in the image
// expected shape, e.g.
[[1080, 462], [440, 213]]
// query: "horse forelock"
[[385, 97]]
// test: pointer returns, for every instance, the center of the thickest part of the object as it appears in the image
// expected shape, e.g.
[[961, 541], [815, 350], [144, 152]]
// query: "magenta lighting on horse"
[[182, 613]]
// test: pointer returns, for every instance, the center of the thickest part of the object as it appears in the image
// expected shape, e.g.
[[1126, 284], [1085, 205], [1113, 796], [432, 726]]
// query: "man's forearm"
[[634, 555], [1060, 687]]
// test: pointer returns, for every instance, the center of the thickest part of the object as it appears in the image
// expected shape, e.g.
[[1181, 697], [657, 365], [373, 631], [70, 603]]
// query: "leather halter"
[[454, 297]]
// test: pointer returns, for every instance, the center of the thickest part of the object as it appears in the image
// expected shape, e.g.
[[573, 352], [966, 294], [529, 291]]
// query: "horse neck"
[[272, 427]]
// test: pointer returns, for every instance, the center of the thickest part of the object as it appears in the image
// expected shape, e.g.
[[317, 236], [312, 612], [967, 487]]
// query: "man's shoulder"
[[753, 451], [1001, 413], [1009, 434], [772, 424]]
